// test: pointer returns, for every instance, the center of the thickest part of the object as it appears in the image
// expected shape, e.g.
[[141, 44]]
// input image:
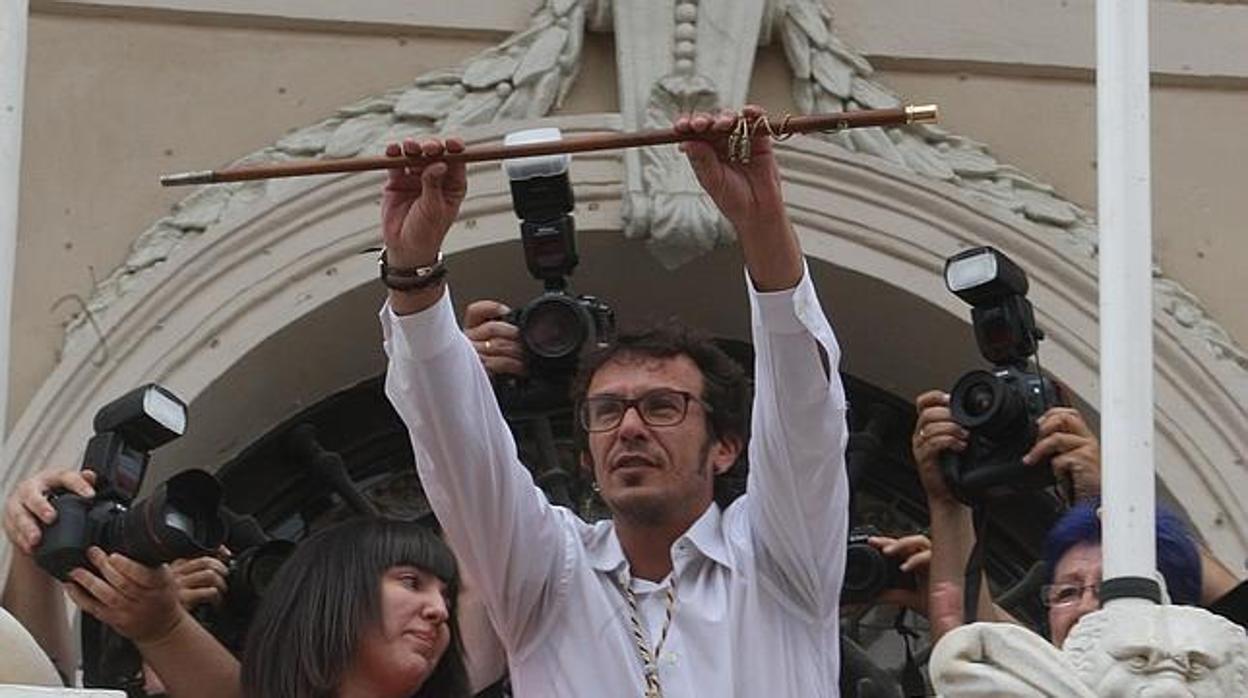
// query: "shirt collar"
[[706, 536]]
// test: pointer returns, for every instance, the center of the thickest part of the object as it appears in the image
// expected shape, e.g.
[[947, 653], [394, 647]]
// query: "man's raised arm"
[[501, 528], [797, 489]]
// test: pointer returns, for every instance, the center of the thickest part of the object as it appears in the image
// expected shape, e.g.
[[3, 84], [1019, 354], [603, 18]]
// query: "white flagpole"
[[13, 23], [1124, 213]]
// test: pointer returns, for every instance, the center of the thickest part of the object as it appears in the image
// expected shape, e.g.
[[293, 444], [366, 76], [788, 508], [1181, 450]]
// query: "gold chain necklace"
[[649, 659]]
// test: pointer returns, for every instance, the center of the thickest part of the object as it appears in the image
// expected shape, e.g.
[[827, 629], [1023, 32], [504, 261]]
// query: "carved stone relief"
[[675, 58], [1159, 651], [1119, 651]]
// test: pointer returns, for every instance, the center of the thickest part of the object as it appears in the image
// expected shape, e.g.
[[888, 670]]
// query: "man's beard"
[[661, 508]]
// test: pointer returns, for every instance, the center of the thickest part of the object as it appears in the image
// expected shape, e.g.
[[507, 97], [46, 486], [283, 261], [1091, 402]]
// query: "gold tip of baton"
[[922, 113], [184, 178]]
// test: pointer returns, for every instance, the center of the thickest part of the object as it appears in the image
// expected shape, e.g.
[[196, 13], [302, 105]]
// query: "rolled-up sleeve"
[[505, 534], [798, 490]]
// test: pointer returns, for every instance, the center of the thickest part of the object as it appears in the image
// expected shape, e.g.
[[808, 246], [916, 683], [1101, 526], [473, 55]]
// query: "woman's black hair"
[[314, 613]]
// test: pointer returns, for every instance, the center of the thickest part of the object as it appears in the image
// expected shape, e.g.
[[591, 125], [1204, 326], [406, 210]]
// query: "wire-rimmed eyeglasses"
[[1052, 595], [658, 408]]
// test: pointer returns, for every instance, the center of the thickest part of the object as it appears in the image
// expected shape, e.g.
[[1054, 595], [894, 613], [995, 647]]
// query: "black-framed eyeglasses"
[[1052, 595], [658, 408]]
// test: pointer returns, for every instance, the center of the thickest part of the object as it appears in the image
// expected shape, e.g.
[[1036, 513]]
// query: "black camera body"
[[557, 326], [256, 561], [999, 407], [868, 572], [180, 519], [555, 329]]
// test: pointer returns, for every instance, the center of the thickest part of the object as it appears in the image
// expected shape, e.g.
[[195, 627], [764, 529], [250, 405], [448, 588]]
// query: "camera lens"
[[864, 570], [983, 402], [255, 568], [181, 519], [979, 399], [554, 327]]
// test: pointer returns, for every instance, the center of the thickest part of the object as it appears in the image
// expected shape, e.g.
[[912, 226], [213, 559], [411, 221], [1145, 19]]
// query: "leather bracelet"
[[411, 278]]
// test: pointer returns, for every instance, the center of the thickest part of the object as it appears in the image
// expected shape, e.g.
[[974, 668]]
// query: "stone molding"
[[296, 248], [528, 75]]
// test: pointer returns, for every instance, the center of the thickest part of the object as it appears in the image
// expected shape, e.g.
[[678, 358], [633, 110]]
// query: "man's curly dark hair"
[[725, 387]]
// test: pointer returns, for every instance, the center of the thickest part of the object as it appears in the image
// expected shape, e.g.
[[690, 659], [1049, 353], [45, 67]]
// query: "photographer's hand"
[[199, 581], [748, 194], [497, 341], [952, 528], [935, 432], [31, 594], [418, 206], [1075, 451], [139, 602], [28, 510], [915, 554]]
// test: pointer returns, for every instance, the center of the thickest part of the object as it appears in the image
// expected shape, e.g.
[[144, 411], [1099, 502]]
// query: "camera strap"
[[975, 565], [912, 683]]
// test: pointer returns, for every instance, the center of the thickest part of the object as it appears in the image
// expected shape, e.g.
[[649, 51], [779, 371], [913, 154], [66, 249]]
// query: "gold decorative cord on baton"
[[739, 143]]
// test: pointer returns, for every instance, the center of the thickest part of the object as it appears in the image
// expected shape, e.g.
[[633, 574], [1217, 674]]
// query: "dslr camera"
[[257, 559], [557, 326], [181, 519], [868, 572], [999, 407]]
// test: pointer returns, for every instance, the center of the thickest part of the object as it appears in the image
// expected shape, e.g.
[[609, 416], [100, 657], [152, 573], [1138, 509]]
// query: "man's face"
[[1079, 567], [656, 474]]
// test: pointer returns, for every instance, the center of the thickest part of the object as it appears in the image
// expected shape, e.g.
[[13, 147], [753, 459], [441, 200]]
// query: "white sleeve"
[[797, 491], [506, 536]]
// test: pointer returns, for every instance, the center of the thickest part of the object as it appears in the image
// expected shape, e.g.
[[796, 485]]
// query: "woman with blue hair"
[[1073, 557], [1073, 549]]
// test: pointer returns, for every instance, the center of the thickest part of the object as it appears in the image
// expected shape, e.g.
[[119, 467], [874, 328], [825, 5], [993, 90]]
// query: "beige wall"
[[114, 101], [111, 104], [1047, 126]]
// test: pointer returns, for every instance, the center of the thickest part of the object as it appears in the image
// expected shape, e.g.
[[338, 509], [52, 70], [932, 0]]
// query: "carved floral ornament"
[[673, 54]]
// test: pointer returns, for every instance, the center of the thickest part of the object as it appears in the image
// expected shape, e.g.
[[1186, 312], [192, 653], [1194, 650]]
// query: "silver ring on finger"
[[487, 345]]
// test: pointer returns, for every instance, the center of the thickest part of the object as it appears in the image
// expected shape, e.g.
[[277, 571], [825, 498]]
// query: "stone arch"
[[271, 309]]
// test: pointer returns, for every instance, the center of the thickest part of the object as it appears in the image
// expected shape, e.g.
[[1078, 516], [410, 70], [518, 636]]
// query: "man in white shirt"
[[674, 597]]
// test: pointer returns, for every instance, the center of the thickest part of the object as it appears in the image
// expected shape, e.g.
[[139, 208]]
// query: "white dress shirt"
[[757, 585]]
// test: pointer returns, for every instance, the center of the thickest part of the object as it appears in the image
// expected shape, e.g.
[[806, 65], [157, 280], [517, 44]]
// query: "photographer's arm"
[[142, 604], [33, 596], [952, 528], [35, 600], [1216, 579], [191, 663]]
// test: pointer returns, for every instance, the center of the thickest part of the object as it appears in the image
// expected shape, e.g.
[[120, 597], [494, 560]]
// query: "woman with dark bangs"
[[363, 609]]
